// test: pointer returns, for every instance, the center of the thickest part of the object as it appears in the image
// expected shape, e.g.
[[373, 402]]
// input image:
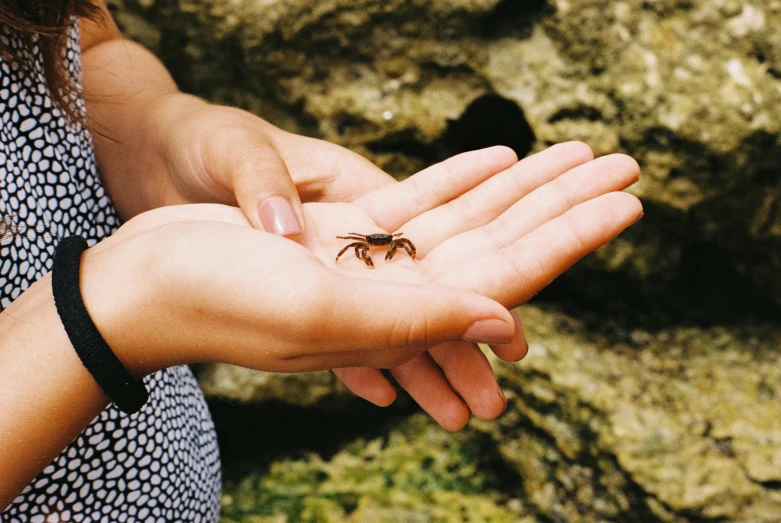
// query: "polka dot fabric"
[[160, 464]]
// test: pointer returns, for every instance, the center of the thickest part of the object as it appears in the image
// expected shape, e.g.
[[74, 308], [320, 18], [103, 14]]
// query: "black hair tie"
[[127, 394]]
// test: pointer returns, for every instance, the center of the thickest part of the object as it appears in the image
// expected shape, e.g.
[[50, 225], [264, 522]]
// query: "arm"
[[48, 396], [125, 88]]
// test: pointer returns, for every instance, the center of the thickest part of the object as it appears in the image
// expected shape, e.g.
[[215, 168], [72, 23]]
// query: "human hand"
[[217, 154], [506, 235], [197, 283]]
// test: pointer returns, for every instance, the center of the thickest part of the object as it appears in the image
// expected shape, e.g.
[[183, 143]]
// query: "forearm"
[[131, 100], [48, 395]]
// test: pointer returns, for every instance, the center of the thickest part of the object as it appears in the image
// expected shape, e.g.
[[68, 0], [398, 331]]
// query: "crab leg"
[[365, 255], [351, 238], [407, 246], [356, 245], [391, 251]]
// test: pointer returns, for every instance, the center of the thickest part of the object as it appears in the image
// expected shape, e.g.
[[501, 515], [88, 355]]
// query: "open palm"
[[481, 222]]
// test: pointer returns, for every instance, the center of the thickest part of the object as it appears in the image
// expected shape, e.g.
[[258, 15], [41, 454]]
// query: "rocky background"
[[652, 390]]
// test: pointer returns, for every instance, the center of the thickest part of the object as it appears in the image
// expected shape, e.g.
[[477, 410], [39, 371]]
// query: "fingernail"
[[278, 217], [504, 399], [489, 331], [638, 218]]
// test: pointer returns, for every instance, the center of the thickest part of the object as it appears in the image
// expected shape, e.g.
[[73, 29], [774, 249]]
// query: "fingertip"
[[640, 211], [455, 416], [492, 406], [368, 384], [504, 153], [629, 205], [481, 164], [298, 209], [382, 394], [616, 210], [382, 399], [512, 352], [576, 149], [626, 165], [517, 349]]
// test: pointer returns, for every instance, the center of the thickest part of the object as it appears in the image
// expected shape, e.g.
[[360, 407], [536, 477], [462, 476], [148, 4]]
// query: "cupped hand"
[[481, 222], [197, 283]]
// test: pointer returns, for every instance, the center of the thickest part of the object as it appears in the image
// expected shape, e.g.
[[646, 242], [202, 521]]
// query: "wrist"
[[128, 393], [120, 293], [167, 142], [205, 145]]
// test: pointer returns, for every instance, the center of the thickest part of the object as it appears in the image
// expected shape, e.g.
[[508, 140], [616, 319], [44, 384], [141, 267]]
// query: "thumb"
[[265, 192], [382, 324]]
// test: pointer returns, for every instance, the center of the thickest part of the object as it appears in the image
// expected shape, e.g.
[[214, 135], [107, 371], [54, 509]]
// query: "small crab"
[[367, 241]]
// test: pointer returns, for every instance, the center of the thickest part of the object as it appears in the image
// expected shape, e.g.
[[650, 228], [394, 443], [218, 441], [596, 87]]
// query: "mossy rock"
[[418, 473]]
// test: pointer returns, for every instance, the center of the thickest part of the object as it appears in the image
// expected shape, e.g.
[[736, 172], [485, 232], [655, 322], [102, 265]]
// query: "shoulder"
[[103, 29]]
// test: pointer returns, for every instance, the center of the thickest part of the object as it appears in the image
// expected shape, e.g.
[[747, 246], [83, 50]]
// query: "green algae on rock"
[[418, 473]]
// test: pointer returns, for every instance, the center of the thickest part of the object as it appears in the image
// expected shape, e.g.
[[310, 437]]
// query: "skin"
[[489, 239]]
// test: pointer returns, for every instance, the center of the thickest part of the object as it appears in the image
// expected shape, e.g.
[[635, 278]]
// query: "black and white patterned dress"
[[160, 464]]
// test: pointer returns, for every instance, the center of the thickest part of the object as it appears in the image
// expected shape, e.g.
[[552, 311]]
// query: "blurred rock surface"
[[686, 427]]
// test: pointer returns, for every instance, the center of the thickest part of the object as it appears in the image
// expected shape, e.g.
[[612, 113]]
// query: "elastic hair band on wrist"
[[119, 386]]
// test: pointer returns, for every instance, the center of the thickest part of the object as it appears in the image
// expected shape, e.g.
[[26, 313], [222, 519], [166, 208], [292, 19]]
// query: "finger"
[[514, 274], [265, 191], [434, 186], [495, 195], [468, 371], [585, 182], [244, 159], [328, 172], [517, 349], [456, 379], [369, 384], [428, 386], [356, 322]]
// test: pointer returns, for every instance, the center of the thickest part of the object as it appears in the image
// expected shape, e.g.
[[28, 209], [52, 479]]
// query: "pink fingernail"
[[489, 331], [277, 216]]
